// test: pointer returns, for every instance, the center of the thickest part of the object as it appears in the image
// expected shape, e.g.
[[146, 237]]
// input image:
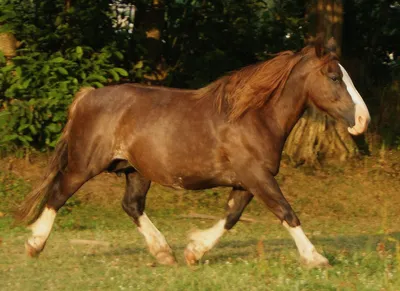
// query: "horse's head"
[[330, 88]]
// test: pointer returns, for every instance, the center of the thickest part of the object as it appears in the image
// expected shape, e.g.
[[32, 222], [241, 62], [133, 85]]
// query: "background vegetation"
[[61, 45]]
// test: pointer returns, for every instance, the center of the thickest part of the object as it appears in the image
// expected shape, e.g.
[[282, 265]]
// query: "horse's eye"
[[334, 78]]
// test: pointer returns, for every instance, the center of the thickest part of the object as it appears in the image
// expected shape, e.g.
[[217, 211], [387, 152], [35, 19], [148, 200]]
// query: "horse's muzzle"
[[362, 119]]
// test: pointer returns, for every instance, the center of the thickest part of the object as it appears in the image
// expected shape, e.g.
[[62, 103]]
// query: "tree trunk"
[[317, 137], [8, 45], [326, 17], [152, 21], [67, 5]]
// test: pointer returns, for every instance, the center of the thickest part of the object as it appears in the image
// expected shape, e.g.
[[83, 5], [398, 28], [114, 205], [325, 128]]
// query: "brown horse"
[[229, 133]]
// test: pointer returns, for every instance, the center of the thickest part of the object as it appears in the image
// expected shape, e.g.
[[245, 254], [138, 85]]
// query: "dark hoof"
[[190, 258], [31, 251]]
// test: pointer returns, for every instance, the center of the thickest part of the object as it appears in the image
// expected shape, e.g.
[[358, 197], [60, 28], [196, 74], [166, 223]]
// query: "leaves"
[[61, 52], [57, 60], [79, 51], [114, 75], [120, 71], [2, 58], [38, 88], [62, 71]]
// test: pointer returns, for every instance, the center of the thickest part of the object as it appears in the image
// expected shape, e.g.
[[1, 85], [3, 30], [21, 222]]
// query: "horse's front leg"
[[202, 241], [264, 186], [134, 204]]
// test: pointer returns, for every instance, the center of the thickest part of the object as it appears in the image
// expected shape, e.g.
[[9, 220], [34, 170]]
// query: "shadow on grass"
[[334, 245], [355, 243], [122, 251], [227, 250]]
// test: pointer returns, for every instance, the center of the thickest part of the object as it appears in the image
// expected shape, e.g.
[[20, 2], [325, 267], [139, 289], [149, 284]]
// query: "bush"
[[61, 52], [38, 87]]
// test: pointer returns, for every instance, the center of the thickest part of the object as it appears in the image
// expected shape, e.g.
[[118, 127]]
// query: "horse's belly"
[[195, 182]]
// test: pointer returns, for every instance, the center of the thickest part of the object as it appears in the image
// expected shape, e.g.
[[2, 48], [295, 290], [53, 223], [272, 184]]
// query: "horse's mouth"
[[362, 119], [360, 127]]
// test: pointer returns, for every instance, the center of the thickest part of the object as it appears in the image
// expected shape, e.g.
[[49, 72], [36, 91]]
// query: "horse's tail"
[[35, 201]]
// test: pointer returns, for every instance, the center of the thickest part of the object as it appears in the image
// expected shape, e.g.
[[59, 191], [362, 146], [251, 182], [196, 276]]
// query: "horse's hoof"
[[190, 258], [318, 261], [165, 258], [31, 251]]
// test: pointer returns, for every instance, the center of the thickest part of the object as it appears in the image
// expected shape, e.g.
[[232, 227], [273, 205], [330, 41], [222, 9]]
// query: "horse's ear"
[[318, 43], [331, 45]]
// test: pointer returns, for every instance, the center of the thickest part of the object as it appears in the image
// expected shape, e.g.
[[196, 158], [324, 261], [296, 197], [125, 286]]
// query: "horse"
[[229, 133]]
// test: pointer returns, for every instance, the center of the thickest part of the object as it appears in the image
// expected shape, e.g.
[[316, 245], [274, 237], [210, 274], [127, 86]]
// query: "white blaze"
[[362, 117], [41, 228]]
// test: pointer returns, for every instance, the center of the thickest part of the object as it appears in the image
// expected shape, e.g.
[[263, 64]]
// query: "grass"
[[350, 216]]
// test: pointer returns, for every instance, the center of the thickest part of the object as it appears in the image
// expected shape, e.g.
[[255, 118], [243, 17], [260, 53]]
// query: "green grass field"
[[350, 214]]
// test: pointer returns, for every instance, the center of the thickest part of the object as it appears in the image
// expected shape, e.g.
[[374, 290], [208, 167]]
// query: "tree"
[[152, 21], [8, 45], [207, 39], [8, 42], [316, 136]]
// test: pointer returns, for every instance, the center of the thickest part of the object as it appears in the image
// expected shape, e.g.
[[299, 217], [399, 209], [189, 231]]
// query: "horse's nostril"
[[362, 120]]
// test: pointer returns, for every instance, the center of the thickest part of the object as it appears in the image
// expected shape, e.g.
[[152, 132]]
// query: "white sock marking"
[[204, 240], [41, 228], [154, 238], [307, 251], [303, 244]]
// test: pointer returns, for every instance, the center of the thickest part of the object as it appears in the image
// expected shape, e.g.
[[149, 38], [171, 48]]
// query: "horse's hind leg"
[[65, 186], [134, 203], [202, 241]]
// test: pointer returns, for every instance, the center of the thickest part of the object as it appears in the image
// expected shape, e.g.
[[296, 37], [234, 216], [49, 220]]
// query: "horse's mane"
[[251, 87]]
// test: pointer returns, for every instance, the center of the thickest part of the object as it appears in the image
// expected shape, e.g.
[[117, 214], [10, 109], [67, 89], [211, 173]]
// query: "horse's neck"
[[289, 107]]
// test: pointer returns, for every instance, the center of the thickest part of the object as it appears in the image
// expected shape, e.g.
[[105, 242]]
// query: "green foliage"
[[206, 39], [38, 87], [61, 52]]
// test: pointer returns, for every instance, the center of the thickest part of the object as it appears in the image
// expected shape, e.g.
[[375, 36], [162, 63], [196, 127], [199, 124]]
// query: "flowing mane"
[[252, 86]]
